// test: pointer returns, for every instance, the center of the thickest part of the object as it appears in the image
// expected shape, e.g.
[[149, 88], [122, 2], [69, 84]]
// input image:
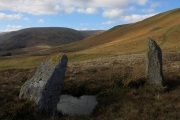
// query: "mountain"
[[92, 32], [41, 37], [164, 28], [2, 33]]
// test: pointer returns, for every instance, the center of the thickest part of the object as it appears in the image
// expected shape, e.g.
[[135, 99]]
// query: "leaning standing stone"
[[45, 86], [154, 63]]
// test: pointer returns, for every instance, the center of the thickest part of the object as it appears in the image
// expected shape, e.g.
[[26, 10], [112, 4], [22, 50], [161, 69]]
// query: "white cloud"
[[41, 20], [11, 28], [135, 17], [141, 2], [10, 16], [112, 13], [155, 4], [102, 3], [108, 22], [26, 19], [131, 8], [87, 10], [84, 24], [152, 7], [44, 7], [108, 8], [4, 31], [36, 7], [70, 10], [148, 10], [84, 29], [81, 29]]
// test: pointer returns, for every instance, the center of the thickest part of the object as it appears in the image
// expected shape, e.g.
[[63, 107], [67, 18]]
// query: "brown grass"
[[130, 38], [118, 83]]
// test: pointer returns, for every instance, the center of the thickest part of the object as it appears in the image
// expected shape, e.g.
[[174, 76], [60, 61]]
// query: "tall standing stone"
[[45, 86], [154, 63]]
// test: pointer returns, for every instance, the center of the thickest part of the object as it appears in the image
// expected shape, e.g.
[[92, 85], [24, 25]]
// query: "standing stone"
[[45, 86], [154, 63]]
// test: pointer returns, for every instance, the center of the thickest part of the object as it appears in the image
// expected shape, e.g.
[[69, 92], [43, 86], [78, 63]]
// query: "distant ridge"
[[45, 36], [91, 32], [2, 33], [131, 38]]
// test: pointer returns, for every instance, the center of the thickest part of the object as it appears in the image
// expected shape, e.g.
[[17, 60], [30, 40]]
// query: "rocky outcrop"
[[45, 86], [154, 63]]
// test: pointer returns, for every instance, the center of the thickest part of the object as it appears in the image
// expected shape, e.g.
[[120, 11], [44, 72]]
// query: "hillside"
[[117, 82], [91, 32], [164, 28], [131, 38], [39, 38], [2, 33]]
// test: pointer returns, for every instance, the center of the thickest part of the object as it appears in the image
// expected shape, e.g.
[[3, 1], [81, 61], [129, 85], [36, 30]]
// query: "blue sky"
[[78, 14]]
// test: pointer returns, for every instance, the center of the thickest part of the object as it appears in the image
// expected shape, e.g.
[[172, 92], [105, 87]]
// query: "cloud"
[[26, 19], [81, 29], [87, 10], [155, 4], [113, 13], [107, 8], [148, 10], [11, 28], [102, 3], [108, 22], [40, 20], [45, 7], [152, 6], [10, 16], [84, 24], [141, 2], [36, 7], [70, 10], [136, 17], [84, 29]]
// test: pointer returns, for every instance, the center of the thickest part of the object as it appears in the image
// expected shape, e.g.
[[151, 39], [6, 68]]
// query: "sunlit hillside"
[[164, 28]]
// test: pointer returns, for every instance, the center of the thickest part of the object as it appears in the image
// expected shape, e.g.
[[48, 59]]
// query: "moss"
[[56, 59]]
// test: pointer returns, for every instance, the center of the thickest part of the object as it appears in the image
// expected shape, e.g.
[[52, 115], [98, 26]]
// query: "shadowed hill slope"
[[44, 37]]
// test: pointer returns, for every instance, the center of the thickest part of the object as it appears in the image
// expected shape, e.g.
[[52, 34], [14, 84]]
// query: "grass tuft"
[[117, 82]]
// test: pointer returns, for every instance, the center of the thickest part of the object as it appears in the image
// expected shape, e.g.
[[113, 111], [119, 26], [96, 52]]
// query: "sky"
[[78, 14]]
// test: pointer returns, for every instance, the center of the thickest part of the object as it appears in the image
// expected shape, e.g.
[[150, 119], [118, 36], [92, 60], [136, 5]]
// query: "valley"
[[110, 65]]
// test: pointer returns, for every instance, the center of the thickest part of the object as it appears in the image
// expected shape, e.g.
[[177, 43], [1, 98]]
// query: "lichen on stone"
[[56, 59], [45, 86], [154, 63]]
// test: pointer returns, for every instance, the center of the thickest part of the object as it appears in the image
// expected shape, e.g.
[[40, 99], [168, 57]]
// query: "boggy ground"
[[118, 82]]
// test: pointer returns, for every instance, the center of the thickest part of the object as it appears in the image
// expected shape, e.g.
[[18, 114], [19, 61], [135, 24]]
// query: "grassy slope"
[[117, 82], [123, 39], [131, 38]]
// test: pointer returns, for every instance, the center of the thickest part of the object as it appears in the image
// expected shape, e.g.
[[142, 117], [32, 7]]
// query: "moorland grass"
[[117, 82]]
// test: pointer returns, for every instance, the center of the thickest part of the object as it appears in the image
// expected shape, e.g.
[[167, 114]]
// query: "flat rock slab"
[[45, 86], [70, 105]]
